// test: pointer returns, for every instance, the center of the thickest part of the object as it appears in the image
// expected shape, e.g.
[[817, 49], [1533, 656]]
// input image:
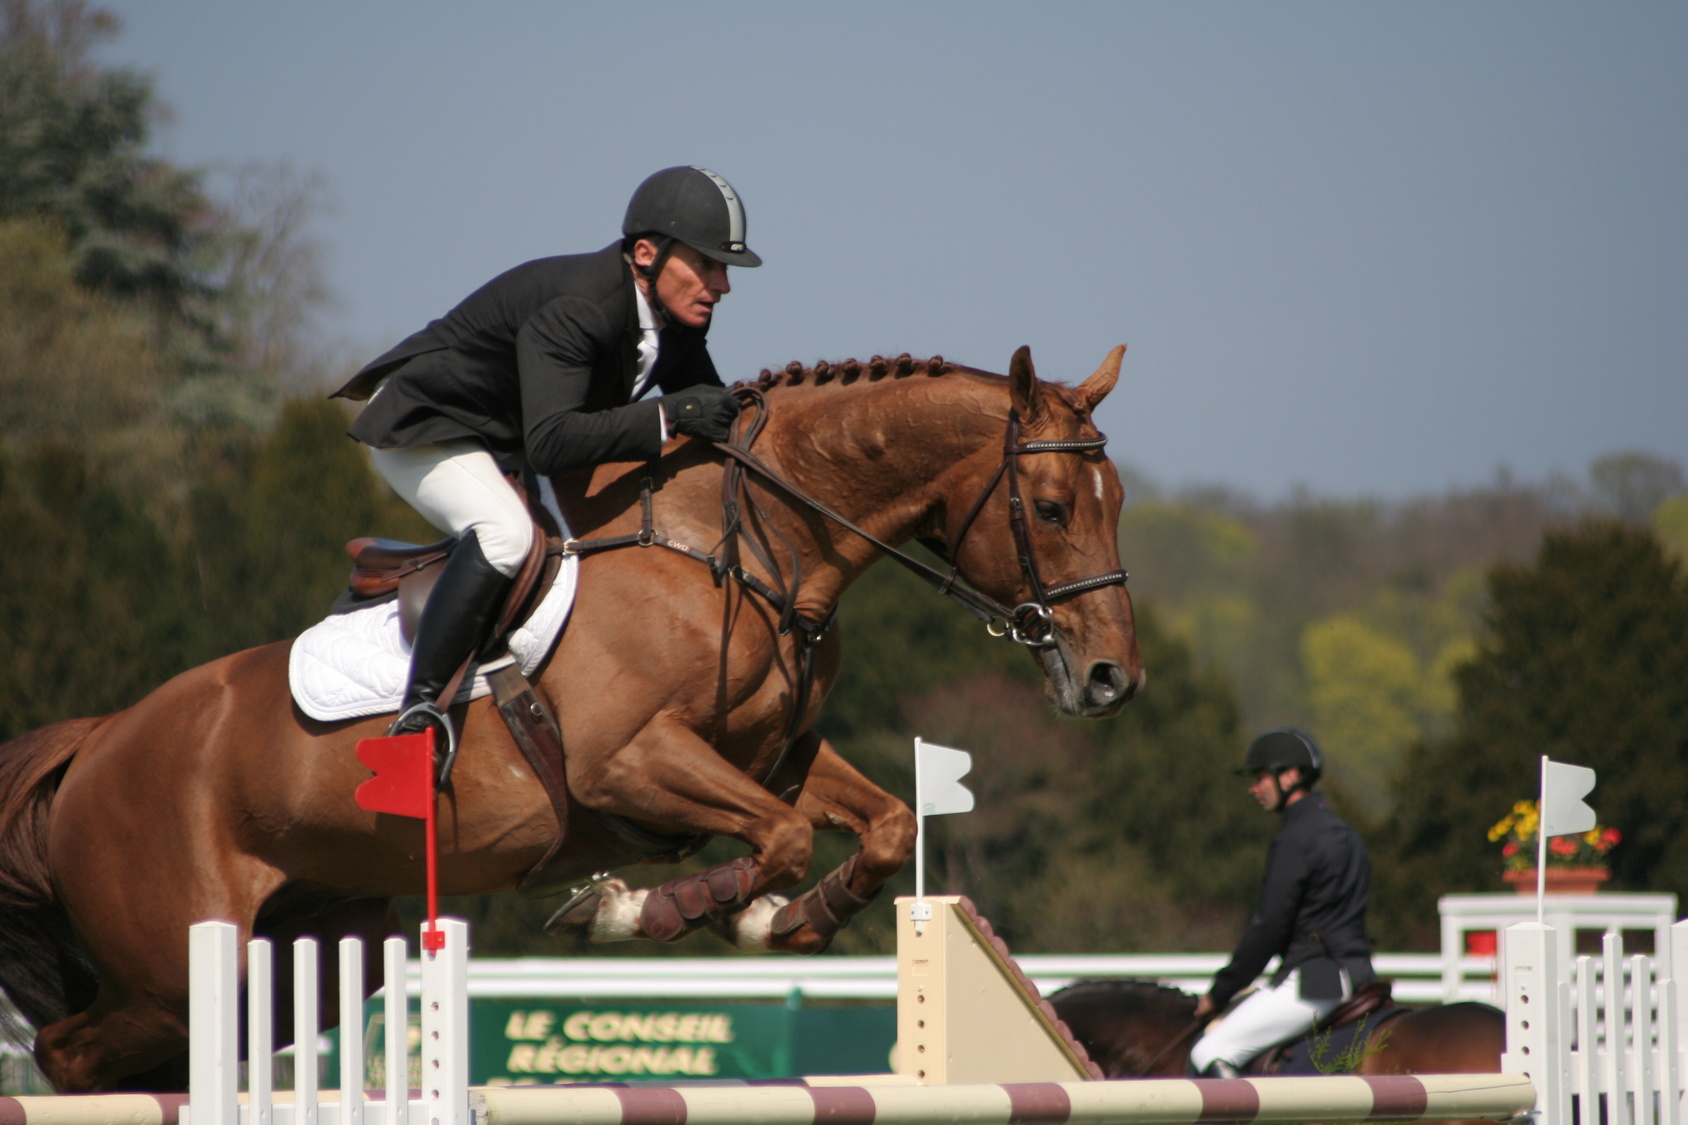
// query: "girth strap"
[[535, 731]]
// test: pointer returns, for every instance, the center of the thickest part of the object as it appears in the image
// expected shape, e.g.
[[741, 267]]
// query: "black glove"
[[703, 411]]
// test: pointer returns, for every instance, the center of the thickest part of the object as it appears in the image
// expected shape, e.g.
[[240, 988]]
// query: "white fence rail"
[[1417, 976]]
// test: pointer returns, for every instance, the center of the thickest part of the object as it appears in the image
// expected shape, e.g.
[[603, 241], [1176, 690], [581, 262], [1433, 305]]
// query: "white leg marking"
[[618, 912], [753, 926]]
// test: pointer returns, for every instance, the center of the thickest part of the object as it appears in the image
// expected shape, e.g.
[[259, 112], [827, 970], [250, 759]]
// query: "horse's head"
[[1042, 536]]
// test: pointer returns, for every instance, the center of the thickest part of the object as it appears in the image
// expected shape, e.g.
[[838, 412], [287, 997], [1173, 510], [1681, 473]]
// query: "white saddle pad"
[[356, 664]]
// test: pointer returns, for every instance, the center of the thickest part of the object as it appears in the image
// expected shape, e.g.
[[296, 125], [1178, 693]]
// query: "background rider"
[[1312, 914]]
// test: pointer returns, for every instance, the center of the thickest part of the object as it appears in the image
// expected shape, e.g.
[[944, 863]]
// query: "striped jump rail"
[[1161, 1101], [92, 1109]]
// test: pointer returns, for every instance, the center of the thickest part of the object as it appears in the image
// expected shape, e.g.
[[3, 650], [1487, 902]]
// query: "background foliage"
[[170, 498]]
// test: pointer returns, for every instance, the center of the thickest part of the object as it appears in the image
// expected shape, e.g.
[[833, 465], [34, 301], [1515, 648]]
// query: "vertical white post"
[[1663, 967], [397, 1033], [305, 1027], [1453, 948], [1679, 1035], [919, 911], [214, 1023], [351, 1031], [1541, 845], [445, 1027], [1617, 1037], [1641, 1028], [1671, 1063], [1585, 1067], [1535, 1041], [260, 1031]]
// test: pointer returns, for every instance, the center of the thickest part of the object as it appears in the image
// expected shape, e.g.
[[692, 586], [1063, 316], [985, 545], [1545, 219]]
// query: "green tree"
[[72, 140], [1366, 691], [1670, 524], [226, 287], [1632, 485], [1585, 659], [75, 366]]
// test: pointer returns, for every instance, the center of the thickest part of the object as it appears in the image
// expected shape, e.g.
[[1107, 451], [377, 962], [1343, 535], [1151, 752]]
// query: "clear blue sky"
[[1365, 248]]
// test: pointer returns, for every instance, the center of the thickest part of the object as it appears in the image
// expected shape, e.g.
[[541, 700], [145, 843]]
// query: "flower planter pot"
[[1560, 880]]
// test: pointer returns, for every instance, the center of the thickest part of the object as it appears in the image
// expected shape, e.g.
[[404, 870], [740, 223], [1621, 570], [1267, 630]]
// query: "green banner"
[[543, 1041]]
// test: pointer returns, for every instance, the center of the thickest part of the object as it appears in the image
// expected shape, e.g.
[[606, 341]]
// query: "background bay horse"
[[1127, 1026], [215, 797]]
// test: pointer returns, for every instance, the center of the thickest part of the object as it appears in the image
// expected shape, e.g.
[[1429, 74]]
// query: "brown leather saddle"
[[383, 568], [1374, 1003]]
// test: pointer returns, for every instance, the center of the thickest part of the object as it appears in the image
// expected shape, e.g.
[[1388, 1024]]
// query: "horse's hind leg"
[[837, 797], [135, 1034]]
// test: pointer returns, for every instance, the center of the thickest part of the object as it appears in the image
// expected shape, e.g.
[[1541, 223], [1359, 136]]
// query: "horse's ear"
[[1024, 391], [1094, 389]]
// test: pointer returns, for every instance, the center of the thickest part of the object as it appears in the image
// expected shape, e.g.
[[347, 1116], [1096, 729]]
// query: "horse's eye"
[[1049, 511]]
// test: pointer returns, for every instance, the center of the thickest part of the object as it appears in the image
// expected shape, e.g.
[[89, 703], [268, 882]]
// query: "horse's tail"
[[42, 968]]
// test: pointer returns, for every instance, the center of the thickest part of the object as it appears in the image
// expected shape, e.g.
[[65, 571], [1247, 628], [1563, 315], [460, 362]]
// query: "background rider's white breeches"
[[1266, 1018], [457, 487]]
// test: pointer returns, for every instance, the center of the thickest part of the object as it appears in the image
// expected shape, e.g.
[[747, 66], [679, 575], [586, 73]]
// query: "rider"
[[1312, 914], [546, 368]]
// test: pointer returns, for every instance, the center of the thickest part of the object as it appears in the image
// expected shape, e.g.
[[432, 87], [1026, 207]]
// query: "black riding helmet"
[[694, 206], [1282, 749]]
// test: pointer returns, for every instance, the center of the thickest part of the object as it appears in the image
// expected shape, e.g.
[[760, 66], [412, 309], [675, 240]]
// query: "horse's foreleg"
[[670, 780], [837, 797]]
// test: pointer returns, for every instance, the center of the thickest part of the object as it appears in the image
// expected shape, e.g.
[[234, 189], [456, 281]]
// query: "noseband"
[[1030, 623]]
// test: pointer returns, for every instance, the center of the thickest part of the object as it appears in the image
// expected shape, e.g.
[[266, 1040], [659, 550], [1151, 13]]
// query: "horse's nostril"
[[1107, 683]]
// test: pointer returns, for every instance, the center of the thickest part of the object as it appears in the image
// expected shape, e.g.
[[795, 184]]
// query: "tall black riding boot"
[[462, 610]]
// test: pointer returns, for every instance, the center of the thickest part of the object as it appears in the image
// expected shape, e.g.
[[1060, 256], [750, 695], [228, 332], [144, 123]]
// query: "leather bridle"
[[1030, 623]]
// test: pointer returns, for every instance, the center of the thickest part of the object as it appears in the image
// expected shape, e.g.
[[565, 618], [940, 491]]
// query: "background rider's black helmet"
[[1283, 748], [694, 206]]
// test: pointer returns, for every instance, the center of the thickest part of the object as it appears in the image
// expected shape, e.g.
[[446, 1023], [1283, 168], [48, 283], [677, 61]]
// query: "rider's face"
[[1269, 791], [690, 284]]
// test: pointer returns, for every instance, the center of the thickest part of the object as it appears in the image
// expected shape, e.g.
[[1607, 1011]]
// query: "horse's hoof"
[[575, 916]]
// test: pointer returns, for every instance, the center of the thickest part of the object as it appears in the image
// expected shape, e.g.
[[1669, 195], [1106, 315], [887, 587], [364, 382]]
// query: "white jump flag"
[[1563, 813], [938, 771]]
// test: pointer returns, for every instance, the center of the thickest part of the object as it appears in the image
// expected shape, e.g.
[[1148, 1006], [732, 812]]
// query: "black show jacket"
[[1312, 908], [538, 365]]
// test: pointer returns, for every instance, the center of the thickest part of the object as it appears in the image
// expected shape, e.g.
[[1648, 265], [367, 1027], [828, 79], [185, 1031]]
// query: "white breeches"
[[457, 487], [1266, 1018]]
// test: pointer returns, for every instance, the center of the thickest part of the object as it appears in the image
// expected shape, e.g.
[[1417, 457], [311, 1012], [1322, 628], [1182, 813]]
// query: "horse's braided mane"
[[852, 370]]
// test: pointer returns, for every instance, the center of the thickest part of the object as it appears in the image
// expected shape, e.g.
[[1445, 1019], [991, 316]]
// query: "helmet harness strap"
[[1302, 783], [664, 247]]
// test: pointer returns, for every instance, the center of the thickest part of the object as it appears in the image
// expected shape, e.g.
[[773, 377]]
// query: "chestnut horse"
[[215, 797]]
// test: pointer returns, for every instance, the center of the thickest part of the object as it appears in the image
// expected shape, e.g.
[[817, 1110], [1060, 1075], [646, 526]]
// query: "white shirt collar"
[[650, 342], [647, 318]]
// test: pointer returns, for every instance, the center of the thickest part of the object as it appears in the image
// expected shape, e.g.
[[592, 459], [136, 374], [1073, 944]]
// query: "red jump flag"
[[404, 774], [403, 785]]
